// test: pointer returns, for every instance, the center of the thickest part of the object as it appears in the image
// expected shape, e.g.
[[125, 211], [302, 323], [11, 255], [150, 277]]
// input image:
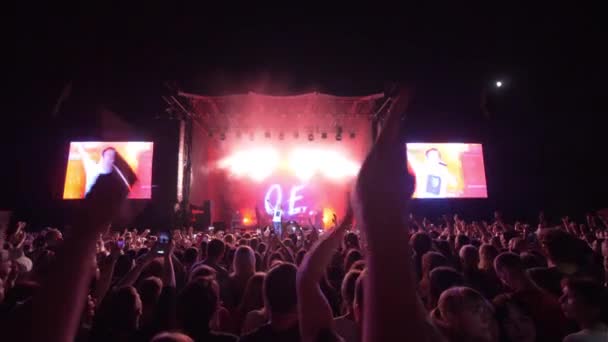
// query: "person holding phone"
[[164, 239]]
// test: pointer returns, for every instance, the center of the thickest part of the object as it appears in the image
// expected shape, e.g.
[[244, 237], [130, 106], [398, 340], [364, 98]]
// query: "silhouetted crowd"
[[477, 281]]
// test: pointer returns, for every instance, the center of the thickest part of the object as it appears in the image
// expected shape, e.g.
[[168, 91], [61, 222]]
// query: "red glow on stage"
[[297, 153], [328, 215]]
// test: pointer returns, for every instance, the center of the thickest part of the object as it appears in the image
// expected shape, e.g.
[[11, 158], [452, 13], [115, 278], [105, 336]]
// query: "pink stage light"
[[255, 163], [304, 163], [336, 167]]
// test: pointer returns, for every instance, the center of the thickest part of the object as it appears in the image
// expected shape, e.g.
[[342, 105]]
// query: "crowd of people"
[[377, 275]]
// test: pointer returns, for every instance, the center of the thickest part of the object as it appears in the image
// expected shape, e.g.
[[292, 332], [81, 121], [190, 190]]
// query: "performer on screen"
[[432, 176], [277, 216], [94, 170]]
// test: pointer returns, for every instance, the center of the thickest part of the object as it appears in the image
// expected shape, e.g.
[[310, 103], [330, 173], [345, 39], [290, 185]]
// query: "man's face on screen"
[[433, 156], [107, 160]]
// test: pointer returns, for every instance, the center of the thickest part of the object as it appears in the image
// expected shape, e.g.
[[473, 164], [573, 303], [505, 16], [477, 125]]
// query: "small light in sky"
[[498, 84]]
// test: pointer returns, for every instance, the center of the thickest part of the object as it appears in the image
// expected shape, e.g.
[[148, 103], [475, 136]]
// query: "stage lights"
[[339, 133], [259, 163], [352, 135], [255, 163], [311, 137], [324, 135], [498, 84]]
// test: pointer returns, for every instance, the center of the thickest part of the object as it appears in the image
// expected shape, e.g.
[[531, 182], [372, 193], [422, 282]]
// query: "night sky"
[[545, 132]]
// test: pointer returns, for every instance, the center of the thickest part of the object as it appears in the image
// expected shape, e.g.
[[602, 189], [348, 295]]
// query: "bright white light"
[[335, 166], [304, 163], [498, 84], [255, 163]]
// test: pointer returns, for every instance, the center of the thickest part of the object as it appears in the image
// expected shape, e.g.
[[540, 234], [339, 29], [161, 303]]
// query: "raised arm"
[[314, 311], [288, 253], [131, 277], [168, 270], [65, 290], [392, 310], [84, 156], [105, 274]]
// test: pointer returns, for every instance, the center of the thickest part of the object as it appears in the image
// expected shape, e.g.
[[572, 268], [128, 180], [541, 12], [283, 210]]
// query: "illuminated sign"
[[274, 200]]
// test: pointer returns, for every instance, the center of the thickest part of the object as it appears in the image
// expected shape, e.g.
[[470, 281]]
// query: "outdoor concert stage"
[[250, 153]]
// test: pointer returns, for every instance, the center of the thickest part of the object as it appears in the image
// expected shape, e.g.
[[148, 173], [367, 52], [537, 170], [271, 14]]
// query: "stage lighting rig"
[[311, 137]]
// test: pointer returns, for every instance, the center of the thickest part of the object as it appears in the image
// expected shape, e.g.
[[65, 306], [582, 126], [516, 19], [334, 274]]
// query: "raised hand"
[[384, 185], [315, 313], [115, 251], [393, 311]]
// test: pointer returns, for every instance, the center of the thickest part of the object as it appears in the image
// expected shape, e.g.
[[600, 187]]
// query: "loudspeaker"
[[200, 215]]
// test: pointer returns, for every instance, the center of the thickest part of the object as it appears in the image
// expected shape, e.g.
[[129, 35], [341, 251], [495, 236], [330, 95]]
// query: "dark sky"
[[545, 126]]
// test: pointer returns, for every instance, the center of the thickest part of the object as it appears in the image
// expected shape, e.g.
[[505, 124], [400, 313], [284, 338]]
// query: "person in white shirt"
[[586, 302], [432, 176], [277, 220]]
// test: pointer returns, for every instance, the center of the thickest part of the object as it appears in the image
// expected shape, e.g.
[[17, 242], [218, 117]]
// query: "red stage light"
[[328, 215]]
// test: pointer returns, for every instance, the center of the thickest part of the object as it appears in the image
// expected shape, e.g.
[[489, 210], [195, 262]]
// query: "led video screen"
[[447, 170], [87, 160]]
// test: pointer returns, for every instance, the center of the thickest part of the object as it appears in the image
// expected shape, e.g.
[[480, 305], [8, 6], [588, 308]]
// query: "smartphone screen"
[[163, 240]]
